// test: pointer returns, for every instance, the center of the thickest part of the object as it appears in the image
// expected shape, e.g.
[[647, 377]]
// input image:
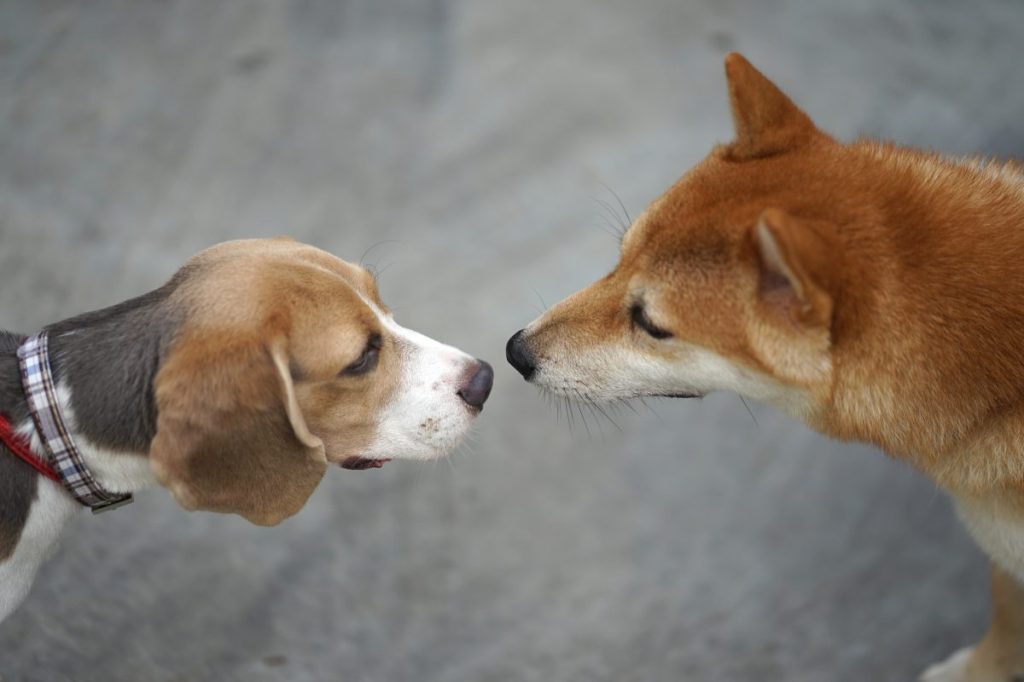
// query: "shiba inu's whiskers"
[[650, 409], [553, 400], [580, 405], [608, 417], [629, 221], [749, 411], [540, 298], [575, 400], [625, 403], [550, 400], [595, 409], [582, 401], [576, 397], [583, 418], [610, 229], [568, 412], [619, 227]]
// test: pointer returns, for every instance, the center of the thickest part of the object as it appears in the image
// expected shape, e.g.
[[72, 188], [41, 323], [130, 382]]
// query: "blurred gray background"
[[475, 143]]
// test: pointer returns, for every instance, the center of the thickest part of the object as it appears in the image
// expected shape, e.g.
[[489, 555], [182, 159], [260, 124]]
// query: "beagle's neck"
[[103, 363]]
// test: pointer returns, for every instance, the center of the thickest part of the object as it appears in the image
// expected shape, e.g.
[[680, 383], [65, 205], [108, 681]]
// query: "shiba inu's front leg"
[[999, 657]]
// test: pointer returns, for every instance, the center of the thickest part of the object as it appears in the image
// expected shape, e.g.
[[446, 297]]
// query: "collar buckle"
[[112, 504]]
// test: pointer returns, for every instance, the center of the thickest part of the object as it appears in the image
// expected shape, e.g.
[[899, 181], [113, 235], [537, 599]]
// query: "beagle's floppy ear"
[[797, 263], [767, 122], [230, 433]]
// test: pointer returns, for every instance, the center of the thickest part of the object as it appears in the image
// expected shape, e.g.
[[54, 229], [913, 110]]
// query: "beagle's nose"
[[519, 356], [476, 390]]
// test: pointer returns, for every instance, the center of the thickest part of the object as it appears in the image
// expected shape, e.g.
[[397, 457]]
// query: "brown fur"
[[880, 288], [251, 401]]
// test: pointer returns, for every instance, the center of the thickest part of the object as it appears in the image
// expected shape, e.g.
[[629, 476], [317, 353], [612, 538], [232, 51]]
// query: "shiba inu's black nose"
[[519, 356]]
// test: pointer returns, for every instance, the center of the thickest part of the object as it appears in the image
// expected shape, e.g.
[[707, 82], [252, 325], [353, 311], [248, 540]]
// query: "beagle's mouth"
[[362, 463]]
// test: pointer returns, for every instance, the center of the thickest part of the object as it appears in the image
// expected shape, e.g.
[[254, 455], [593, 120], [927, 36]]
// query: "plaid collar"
[[63, 454]]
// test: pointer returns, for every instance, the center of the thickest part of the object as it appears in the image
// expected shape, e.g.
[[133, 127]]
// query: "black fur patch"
[[109, 359], [18, 481]]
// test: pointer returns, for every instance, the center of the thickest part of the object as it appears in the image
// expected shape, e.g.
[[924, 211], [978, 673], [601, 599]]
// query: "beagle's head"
[[288, 361]]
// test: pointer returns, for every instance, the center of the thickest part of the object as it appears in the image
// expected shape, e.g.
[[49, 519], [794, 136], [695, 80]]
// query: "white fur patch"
[[426, 418], [953, 669], [55, 506], [997, 528], [50, 512], [612, 372]]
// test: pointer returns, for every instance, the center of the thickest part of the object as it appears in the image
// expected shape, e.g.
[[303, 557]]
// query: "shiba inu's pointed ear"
[[767, 122], [795, 261]]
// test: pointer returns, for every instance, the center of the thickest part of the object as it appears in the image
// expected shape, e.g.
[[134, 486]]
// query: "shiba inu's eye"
[[639, 318], [368, 360]]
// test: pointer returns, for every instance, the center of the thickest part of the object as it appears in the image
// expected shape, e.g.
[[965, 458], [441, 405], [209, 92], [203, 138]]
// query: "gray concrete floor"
[[474, 141]]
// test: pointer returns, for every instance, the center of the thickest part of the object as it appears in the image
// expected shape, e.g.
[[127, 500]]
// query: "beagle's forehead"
[[246, 279]]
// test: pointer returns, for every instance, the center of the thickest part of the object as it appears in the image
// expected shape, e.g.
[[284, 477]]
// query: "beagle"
[[873, 291], [235, 385]]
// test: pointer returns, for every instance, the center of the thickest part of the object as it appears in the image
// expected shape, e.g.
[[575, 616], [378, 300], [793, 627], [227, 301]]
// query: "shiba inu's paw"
[[953, 669], [983, 663]]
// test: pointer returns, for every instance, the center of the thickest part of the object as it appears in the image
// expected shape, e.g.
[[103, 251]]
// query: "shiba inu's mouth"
[[595, 375]]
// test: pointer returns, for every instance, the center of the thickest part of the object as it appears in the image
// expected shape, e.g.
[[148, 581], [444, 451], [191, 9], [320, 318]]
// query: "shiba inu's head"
[[726, 282]]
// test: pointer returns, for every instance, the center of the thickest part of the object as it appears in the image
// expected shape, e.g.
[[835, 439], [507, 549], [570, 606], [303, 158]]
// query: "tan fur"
[[877, 292], [1000, 655], [250, 402]]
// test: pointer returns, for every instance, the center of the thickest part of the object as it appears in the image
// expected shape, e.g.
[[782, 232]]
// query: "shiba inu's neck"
[[937, 375]]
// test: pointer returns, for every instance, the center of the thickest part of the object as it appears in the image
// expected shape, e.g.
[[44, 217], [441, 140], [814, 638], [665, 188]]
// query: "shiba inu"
[[873, 291]]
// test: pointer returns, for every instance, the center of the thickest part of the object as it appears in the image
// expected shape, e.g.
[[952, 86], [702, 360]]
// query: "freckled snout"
[[478, 386], [519, 356]]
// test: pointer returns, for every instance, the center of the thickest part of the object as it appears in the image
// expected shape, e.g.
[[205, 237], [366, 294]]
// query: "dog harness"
[[63, 460]]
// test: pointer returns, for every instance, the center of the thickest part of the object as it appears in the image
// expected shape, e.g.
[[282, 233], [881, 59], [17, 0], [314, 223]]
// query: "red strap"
[[20, 447]]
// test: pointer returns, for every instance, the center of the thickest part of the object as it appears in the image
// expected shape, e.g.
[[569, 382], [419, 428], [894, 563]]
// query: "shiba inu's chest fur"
[[997, 524]]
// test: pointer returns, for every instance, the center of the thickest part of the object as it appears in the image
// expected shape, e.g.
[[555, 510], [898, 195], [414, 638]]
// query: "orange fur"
[[875, 291]]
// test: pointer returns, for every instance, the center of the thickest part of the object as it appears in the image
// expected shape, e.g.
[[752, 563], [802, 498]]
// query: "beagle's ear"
[[796, 265], [230, 433], [767, 122]]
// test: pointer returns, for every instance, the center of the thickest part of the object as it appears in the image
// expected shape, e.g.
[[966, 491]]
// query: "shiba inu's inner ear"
[[767, 122], [794, 261]]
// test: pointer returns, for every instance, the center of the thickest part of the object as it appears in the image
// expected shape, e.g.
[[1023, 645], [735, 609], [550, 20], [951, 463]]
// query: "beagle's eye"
[[368, 360], [639, 319]]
